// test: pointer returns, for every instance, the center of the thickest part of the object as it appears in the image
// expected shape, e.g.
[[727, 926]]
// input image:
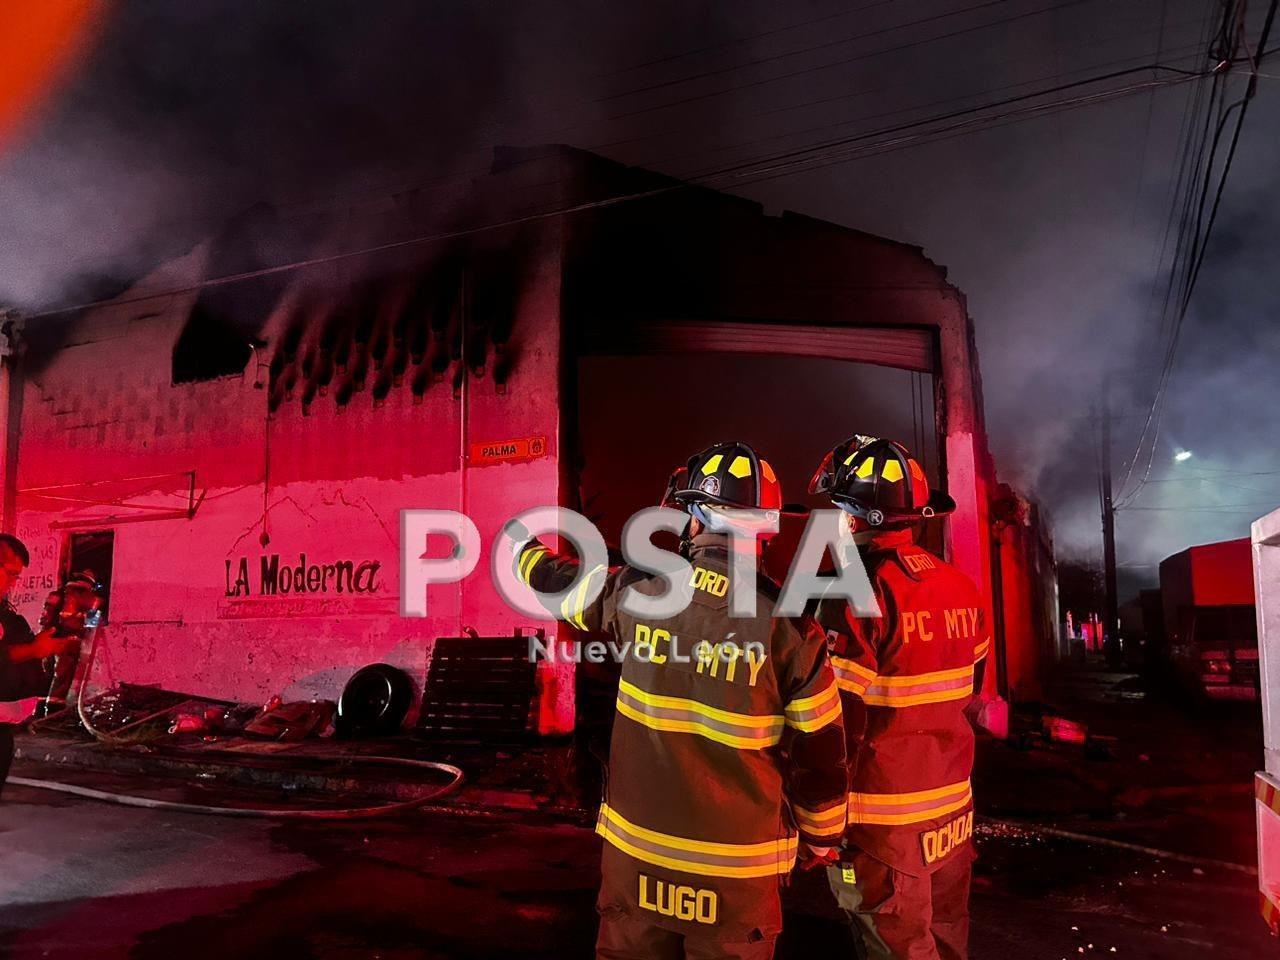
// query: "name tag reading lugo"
[[678, 901]]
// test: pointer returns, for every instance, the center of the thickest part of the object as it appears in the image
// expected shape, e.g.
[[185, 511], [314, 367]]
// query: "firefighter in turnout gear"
[[728, 755], [905, 679], [22, 673], [68, 612]]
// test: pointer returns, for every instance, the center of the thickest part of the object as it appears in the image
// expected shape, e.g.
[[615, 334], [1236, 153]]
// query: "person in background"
[[22, 672], [72, 611]]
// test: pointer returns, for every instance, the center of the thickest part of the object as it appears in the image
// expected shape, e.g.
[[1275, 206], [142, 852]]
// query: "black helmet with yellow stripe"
[[727, 475], [878, 482]]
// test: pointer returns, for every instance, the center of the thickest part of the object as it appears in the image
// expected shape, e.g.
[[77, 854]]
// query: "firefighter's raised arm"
[[817, 775], [548, 573]]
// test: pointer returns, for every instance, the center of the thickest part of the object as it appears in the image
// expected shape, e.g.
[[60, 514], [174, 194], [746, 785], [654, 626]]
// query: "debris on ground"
[[291, 722], [1062, 730], [138, 714]]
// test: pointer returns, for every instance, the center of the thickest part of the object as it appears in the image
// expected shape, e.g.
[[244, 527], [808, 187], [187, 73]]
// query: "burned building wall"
[[1026, 623], [430, 374], [689, 256], [256, 515]]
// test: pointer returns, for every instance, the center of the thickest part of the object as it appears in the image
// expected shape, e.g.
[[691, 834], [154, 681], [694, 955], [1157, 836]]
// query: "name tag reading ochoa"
[[936, 844]]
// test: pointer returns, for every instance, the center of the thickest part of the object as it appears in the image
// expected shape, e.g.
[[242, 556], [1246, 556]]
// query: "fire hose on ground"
[[456, 778], [1043, 830], [455, 775]]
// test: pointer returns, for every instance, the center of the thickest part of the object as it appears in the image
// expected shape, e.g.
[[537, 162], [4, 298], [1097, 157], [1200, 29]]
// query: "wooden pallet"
[[478, 689]]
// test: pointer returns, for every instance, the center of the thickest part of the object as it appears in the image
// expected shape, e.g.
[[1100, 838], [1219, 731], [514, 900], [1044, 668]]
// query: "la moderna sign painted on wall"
[[276, 578]]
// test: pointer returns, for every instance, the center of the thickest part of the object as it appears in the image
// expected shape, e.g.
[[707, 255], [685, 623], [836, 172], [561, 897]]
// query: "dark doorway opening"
[[94, 551]]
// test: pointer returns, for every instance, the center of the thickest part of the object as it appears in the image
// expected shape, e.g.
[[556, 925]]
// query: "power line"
[[744, 39], [461, 175], [768, 167], [1189, 173], [1218, 473], [1168, 65], [1217, 484], [852, 151], [1199, 240], [1226, 508], [1052, 8], [797, 53], [1183, 52], [1006, 102], [1157, 56], [1244, 104], [1185, 137], [560, 132], [1123, 35]]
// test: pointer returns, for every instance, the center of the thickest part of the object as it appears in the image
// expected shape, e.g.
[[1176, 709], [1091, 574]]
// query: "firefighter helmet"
[[878, 482], [728, 475], [674, 483], [84, 580]]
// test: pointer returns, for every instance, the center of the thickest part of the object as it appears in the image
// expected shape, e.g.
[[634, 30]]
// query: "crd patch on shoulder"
[[917, 563]]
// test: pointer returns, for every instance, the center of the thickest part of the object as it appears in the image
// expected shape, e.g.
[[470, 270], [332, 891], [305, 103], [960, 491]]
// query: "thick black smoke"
[[184, 114]]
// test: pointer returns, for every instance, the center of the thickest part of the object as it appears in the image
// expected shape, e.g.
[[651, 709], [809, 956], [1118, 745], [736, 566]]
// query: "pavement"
[[83, 879], [80, 879], [325, 773], [1158, 771]]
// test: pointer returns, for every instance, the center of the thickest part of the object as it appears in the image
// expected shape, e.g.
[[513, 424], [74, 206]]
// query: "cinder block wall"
[[101, 408]]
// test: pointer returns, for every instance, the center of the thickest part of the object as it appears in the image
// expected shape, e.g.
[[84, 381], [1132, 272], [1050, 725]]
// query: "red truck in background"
[[1210, 628]]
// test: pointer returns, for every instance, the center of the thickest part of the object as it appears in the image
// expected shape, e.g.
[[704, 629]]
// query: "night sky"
[[179, 115]]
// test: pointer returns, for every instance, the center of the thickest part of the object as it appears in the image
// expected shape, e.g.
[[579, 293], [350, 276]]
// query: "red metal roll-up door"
[[907, 348]]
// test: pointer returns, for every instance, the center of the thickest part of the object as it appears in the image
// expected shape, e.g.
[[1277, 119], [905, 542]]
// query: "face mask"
[[713, 520], [852, 530]]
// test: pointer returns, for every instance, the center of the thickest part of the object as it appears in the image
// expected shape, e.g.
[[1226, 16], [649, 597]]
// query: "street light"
[[1182, 455]]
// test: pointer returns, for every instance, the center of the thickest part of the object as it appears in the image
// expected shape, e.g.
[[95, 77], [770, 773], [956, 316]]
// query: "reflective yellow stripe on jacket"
[[825, 823], [813, 713], [528, 560], [682, 715], [895, 809], [919, 688], [851, 675], [701, 857], [575, 604], [981, 649]]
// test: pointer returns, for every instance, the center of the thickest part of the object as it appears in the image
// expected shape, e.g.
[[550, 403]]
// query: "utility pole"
[[1111, 605]]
